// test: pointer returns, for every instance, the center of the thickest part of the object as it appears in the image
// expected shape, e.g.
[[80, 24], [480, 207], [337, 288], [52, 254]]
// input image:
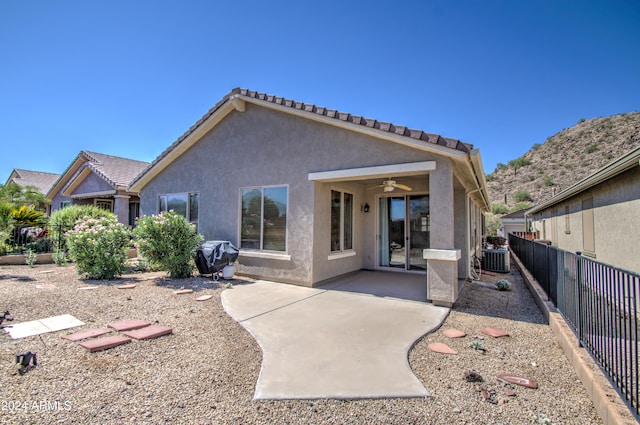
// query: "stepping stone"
[[438, 347], [130, 286], [87, 288], [99, 344], [204, 297], [509, 392], [517, 380], [46, 286], [128, 325], [494, 332], [453, 333], [149, 332], [183, 291], [89, 333]]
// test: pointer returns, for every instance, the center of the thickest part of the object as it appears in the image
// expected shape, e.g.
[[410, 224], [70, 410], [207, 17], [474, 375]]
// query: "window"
[[567, 220], [105, 204], [134, 213], [185, 204], [341, 221], [65, 204], [264, 218]]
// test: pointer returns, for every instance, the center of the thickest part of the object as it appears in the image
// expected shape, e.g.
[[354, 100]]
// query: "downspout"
[[468, 213]]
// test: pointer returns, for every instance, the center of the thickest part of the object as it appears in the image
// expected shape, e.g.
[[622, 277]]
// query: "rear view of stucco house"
[[598, 216], [309, 193], [98, 179]]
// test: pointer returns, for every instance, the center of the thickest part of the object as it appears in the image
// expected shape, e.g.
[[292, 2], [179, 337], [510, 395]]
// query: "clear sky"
[[127, 78]]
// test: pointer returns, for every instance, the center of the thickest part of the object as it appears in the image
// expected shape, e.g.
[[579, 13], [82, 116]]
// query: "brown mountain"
[[563, 159]]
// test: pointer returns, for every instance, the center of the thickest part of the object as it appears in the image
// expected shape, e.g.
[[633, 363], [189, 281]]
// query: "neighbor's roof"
[[116, 171], [308, 109], [39, 179], [619, 166]]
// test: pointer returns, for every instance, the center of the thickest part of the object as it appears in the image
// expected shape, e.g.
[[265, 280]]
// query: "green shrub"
[[168, 241], [98, 247], [592, 148], [503, 285], [522, 196], [520, 206], [65, 219], [60, 257], [30, 257], [499, 209], [548, 181]]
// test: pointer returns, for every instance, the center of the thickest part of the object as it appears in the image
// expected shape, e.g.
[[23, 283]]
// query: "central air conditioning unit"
[[495, 260]]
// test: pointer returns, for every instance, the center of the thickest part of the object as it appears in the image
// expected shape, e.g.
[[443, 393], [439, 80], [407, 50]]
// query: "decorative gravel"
[[205, 372]]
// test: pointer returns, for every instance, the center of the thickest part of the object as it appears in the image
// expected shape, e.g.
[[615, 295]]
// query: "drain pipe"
[[468, 213]]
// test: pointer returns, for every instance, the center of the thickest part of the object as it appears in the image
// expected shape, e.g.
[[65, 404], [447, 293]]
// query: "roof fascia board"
[[403, 140], [93, 194], [75, 181], [183, 145], [66, 175], [478, 171], [380, 171], [623, 164]]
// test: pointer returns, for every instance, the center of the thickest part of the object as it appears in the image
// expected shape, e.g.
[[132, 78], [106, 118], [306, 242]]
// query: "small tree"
[[520, 206], [499, 209], [492, 223], [167, 240], [98, 247]]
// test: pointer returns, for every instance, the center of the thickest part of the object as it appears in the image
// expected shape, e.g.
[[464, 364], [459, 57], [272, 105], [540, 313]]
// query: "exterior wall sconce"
[[366, 208]]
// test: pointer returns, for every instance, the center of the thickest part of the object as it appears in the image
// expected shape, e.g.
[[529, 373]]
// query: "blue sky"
[[127, 78]]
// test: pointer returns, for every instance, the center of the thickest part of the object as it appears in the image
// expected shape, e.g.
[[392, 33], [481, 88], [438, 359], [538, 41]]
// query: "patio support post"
[[121, 208], [442, 257]]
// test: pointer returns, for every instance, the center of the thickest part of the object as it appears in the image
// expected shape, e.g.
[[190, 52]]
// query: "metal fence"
[[25, 238], [600, 303]]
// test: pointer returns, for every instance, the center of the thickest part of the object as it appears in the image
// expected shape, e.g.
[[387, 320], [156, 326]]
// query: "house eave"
[[381, 171], [619, 166]]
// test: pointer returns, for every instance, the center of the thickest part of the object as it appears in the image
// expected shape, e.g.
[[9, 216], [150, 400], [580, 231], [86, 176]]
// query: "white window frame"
[[261, 252], [342, 248], [188, 194]]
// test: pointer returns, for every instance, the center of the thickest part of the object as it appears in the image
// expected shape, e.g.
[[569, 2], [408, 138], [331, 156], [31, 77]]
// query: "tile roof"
[[39, 179], [116, 171], [318, 110], [355, 119]]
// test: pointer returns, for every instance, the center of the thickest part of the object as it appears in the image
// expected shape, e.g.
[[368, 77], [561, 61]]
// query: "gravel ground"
[[205, 372]]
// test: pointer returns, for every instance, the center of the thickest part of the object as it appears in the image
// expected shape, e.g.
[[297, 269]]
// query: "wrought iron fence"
[[25, 238], [600, 302]]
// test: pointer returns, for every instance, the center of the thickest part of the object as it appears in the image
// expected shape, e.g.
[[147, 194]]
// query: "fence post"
[[579, 287]]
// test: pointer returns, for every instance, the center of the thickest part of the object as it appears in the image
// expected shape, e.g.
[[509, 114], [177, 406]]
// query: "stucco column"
[[121, 208], [442, 256]]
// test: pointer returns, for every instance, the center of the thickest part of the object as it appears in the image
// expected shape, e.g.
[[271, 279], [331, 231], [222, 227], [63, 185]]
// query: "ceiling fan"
[[390, 185]]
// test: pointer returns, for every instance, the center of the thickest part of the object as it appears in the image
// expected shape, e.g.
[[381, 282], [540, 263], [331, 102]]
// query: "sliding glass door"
[[403, 231]]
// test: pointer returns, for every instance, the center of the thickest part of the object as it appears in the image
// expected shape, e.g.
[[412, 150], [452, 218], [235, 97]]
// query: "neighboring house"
[[513, 223], [101, 180], [598, 216], [309, 193], [40, 180]]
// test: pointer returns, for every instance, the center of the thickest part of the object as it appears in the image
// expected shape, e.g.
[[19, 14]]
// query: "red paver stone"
[[454, 333], [183, 291], [99, 344], [204, 297], [89, 333], [438, 347], [130, 286], [494, 332], [149, 332], [128, 325], [517, 380]]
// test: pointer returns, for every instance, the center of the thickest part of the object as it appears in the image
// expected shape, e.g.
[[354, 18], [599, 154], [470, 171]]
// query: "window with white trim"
[[184, 204], [264, 218], [341, 221]]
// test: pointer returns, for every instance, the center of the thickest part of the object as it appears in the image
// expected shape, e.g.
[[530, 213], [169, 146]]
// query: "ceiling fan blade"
[[404, 187], [375, 187]]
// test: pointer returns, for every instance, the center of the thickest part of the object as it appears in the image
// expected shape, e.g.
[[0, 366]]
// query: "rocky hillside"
[[563, 159]]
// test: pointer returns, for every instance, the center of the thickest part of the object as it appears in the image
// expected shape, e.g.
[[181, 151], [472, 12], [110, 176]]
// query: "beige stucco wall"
[[616, 215], [261, 147]]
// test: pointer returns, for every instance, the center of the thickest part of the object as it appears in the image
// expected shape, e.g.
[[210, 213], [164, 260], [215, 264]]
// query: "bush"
[[548, 181], [520, 206], [98, 247], [168, 241], [503, 285], [65, 219], [522, 196], [499, 209]]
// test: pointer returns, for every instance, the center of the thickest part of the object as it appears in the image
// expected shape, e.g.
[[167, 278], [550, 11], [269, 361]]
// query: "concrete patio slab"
[[328, 343]]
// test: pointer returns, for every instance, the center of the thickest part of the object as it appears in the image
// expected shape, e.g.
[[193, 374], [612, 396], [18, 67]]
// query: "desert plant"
[[477, 345], [60, 257], [520, 206], [548, 181], [28, 216], [169, 241], [499, 209], [65, 219], [98, 247], [522, 196], [503, 285], [30, 257]]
